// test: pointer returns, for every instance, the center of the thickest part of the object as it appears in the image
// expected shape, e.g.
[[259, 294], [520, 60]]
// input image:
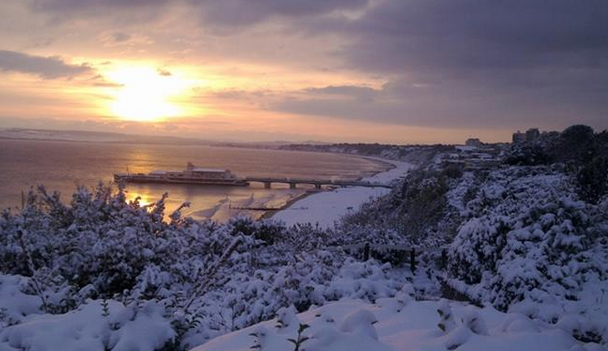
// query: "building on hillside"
[[473, 158], [519, 137], [475, 142], [532, 134]]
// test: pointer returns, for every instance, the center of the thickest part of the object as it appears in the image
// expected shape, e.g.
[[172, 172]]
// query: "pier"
[[318, 183], [216, 176]]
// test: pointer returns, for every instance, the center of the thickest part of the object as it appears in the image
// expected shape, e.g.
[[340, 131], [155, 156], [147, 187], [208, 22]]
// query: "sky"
[[391, 71]]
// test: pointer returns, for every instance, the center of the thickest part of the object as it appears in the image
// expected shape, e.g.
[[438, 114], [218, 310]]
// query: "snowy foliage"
[[584, 152], [102, 273], [528, 241], [518, 237], [197, 280], [415, 212]]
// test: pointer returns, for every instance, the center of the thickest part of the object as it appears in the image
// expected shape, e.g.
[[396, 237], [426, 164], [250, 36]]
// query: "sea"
[[64, 165]]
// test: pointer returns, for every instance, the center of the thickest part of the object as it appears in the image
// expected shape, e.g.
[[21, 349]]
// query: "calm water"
[[62, 166]]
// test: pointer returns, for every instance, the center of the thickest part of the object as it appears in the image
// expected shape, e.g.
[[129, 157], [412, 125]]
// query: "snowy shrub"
[[204, 279], [528, 239], [578, 147], [528, 155], [592, 179], [446, 318], [416, 211]]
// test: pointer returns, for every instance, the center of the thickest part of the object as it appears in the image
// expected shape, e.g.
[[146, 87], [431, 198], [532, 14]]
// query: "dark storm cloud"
[[44, 67], [474, 63], [471, 35], [459, 103]]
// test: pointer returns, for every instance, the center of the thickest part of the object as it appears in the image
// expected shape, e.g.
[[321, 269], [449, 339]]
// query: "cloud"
[[476, 35], [241, 13], [73, 6], [469, 63], [400, 102], [163, 72], [102, 82], [119, 38], [223, 15], [351, 92], [475, 62], [44, 67]]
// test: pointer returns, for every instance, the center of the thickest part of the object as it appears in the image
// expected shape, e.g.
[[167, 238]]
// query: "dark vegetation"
[[579, 148], [415, 212], [413, 153]]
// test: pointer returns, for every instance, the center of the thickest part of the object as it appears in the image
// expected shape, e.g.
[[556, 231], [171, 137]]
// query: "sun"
[[145, 94]]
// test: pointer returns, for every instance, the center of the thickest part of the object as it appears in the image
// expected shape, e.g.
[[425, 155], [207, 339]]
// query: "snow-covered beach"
[[324, 208]]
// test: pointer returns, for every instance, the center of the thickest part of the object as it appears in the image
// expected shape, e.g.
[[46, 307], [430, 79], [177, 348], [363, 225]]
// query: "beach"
[[326, 207]]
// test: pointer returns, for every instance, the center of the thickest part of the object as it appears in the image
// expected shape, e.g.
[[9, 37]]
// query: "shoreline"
[[269, 213], [324, 208], [310, 192]]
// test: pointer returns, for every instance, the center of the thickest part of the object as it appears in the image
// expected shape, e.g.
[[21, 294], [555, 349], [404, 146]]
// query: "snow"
[[354, 325], [465, 148], [105, 274], [527, 245], [89, 328], [325, 208], [14, 304]]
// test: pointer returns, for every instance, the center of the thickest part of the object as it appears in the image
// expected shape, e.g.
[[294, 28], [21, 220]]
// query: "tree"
[[576, 143], [592, 179]]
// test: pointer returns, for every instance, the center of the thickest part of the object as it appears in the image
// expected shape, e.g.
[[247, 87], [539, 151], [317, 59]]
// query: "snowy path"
[[327, 207]]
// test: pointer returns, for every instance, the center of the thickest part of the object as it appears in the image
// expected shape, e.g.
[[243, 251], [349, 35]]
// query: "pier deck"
[[318, 183]]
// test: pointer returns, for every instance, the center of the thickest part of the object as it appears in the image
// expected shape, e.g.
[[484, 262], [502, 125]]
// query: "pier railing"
[[292, 182]]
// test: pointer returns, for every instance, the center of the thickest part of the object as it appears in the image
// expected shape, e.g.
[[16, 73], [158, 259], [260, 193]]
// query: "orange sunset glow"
[[331, 72]]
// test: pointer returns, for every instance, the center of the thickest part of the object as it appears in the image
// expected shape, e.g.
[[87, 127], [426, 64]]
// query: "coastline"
[[269, 213], [324, 208], [311, 192]]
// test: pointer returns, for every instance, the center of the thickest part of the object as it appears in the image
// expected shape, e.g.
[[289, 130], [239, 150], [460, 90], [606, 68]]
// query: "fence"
[[395, 254]]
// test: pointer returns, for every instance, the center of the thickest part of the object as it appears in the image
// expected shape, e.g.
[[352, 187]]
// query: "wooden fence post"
[[413, 260], [366, 252], [444, 259]]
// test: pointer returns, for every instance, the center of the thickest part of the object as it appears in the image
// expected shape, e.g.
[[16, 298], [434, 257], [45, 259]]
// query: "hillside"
[[523, 241]]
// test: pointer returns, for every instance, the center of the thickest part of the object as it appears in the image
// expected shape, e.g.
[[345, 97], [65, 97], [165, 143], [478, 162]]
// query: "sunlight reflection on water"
[[64, 165]]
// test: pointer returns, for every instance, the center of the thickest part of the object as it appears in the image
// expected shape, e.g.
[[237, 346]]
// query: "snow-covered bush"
[[416, 212], [583, 151], [529, 240], [204, 278]]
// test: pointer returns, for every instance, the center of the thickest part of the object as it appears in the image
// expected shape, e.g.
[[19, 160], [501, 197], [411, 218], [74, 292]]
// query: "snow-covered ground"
[[97, 325], [324, 208], [402, 323]]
